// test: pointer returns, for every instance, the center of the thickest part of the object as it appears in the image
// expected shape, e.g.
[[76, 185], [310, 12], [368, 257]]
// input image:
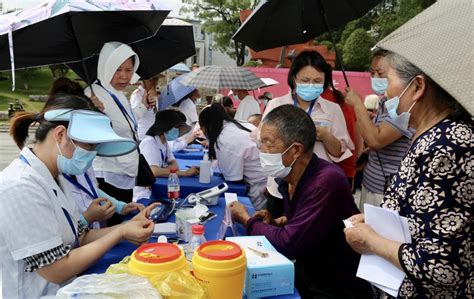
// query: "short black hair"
[[293, 125]]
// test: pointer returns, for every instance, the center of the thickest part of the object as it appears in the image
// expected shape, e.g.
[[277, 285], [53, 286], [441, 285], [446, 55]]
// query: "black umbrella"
[[172, 44], [276, 23], [73, 30]]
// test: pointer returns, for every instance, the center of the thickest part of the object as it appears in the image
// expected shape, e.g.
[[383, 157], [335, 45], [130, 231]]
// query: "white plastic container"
[[205, 170]]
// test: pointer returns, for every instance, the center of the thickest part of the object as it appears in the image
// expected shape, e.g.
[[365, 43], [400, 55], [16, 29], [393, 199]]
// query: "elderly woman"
[[386, 141], [433, 188], [317, 198], [116, 68]]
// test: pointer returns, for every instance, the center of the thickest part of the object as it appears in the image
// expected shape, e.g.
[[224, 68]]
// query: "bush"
[[356, 50]]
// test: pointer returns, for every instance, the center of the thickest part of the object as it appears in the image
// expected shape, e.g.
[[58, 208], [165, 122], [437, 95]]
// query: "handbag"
[[145, 176]]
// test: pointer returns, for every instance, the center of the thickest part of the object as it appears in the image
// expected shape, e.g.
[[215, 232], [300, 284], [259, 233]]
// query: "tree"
[[356, 50], [25, 75], [59, 70], [222, 19]]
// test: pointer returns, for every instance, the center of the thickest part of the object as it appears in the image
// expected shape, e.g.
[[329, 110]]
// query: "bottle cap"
[[198, 229]]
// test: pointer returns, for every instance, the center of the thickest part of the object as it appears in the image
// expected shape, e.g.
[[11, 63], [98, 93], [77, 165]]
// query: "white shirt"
[[188, 108], [156, 154], [145, 117], [247, 107], [238, 159], [118, 171], [323, 111], [32, 221]]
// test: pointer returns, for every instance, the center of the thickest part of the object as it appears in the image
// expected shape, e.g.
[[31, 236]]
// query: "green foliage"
[[59, 70], [356, 50], [253, 63], [222, 19]]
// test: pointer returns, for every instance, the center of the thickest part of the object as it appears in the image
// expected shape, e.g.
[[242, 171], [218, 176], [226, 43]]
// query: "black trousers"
[[125, 195]]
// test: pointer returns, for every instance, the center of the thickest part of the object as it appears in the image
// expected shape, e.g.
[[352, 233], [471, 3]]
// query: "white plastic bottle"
[[196, 240], [205, 170], [173, 185]]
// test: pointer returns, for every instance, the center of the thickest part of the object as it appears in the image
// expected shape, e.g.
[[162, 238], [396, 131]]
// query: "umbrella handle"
[[328, 28]]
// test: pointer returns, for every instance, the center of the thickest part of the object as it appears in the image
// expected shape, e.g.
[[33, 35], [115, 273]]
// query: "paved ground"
[[8, 150]]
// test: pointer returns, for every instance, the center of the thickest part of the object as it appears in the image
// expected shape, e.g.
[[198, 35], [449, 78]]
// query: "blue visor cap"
[[93, 128]]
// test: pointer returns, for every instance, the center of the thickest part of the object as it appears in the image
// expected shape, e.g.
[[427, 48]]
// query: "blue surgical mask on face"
[[80, 162], [400, 120], [172, 134], [379, 85], [309, 92]]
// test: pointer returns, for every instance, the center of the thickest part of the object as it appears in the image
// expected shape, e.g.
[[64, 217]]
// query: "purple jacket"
[[314, 234]]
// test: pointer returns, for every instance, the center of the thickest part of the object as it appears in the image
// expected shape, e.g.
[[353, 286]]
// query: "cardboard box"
[[184, 227], [269, 273]]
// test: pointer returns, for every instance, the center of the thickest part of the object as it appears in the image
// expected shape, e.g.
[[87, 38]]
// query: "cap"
[[198, 229], [95, 128]]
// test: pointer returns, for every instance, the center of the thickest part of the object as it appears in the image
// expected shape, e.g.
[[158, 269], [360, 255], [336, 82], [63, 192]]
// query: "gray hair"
[[440, 98], [293, 125]]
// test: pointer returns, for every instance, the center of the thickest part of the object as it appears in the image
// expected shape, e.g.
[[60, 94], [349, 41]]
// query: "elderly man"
[[317, 198]]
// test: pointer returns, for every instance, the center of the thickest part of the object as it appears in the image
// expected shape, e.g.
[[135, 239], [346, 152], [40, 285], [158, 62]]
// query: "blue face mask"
[[379, 85], [172, 134], [400, 120], [80, 162], [309, 92]]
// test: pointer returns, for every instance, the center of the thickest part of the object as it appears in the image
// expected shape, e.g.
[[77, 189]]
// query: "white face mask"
[[272, 164], [198, 101]]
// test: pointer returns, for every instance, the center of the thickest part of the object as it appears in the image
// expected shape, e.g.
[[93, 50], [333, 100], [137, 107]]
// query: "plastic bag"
[[173, 285], [114, 286], [181, 284]]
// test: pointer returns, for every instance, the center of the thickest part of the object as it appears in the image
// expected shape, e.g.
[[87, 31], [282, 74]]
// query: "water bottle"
[[173, 185], [196, 240], [205, 170]]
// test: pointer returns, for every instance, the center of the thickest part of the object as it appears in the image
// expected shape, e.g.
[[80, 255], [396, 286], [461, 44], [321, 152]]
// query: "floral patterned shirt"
[[434, 190]]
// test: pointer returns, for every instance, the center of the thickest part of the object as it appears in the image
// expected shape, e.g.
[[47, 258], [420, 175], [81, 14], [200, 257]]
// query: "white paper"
[[347, 223], [230, 198], [376, 269], [165, 228]]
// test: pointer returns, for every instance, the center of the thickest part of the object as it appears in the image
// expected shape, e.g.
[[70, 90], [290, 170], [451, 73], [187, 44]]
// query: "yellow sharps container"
[[220, 267]]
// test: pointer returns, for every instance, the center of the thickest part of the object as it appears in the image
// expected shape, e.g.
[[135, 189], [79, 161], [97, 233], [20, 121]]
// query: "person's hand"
[[131, 207], [149, 99], [100, 209], [239, 212], [98, 103], [281, 221], [352, 97], [138, 231], [360, 237], [357, 218], [190, 137], [266, 216], [145, 213], [205, 143], [322, 133], [191, 171]]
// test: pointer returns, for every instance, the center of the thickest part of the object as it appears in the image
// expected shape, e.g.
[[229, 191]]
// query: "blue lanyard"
[[91, 192], [163, 155], [311, 106], [66, 213], [125, 113]]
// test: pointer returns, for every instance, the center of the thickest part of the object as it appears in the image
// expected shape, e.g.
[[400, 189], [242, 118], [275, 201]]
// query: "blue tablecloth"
[[190, 185], [191, 152], [124, 248]]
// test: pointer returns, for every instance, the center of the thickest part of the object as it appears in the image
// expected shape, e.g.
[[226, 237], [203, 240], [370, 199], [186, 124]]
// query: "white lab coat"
[[247, 107], [31, 222], [118, 171], [188, 108], [239, 158], [156, 154]]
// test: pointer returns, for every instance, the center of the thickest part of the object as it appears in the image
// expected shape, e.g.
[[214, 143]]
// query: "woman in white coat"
[[236, 153], [42, 243], [116, 69]]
